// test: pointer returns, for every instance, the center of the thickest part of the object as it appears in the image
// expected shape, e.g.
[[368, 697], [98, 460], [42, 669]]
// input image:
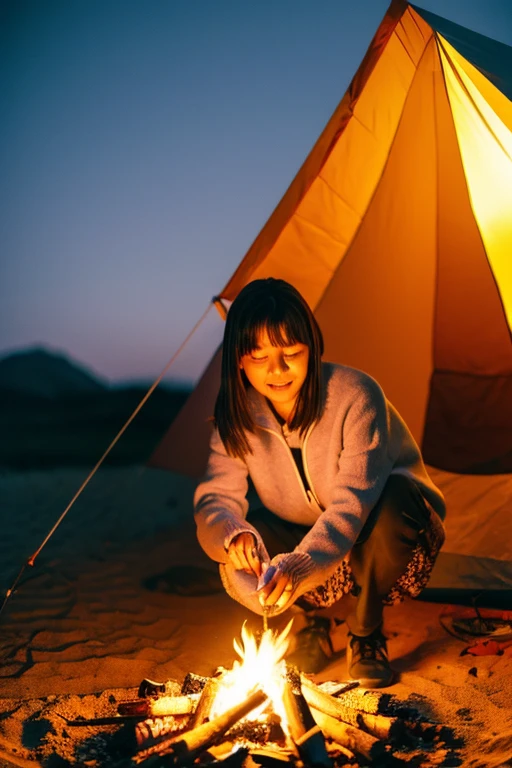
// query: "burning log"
[[363, 700], [378, 725], [348, 736], [205, 703], [305, 733], [161, 707], [150, 732], [185, 747]]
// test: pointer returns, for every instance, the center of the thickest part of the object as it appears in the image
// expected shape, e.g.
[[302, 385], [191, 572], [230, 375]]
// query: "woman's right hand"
[[243, 554]]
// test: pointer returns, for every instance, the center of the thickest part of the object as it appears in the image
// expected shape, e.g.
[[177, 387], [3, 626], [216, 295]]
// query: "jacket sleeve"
[[364, 466], [220, 503]]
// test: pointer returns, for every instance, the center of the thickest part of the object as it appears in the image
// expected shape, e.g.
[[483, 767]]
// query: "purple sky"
[[143, 146]]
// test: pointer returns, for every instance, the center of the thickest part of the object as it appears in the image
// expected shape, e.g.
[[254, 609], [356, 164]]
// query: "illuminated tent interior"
[[398, 231]]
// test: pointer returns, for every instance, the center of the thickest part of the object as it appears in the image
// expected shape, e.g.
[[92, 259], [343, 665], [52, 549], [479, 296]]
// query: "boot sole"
[[368, 682]]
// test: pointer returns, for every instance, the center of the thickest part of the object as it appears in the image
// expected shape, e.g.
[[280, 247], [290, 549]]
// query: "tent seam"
[[377, 185], [318, 228], [342, 125], [471, 99], [435, 329], [339, 197], [417, 10], [407, 36], [498, 292]]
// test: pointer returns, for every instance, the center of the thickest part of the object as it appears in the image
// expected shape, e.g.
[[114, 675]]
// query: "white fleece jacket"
[[348, 454]]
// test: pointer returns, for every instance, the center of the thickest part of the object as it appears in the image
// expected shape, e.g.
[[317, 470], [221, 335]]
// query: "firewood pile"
[[329, 725]]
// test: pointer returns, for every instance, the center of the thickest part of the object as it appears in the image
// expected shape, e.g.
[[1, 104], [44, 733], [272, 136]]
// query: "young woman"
[[348, 507]]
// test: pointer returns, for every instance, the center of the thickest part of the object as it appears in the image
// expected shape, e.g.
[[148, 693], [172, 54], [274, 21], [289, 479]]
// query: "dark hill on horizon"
[[53, 413], [43, 373]]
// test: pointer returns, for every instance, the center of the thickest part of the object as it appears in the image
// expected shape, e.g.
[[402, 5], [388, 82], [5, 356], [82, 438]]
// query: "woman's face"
[[278, 373]]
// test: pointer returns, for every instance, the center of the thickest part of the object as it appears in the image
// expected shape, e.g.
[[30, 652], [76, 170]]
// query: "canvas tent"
[[398, 231]]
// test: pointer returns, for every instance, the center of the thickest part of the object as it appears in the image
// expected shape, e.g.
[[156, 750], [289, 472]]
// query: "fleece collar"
[[261, 411]]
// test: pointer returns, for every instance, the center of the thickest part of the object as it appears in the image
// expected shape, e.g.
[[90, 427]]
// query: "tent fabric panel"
[[462, 574], [479, 517], [492, 58], [316, 159], [315, 253], [486, 151], [356, 162], [186, 444], [327, 218], [377, 313], [471, 333], [323, 210], [469, 423]]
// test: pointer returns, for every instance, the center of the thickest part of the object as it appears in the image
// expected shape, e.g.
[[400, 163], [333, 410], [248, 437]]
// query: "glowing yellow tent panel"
[[398, 231]]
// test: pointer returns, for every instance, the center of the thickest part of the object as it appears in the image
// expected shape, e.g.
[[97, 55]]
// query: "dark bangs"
[[276, 307], [284, 325]]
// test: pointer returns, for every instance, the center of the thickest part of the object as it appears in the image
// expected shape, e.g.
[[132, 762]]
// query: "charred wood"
[[259, 733], [363, 700], [378, 725], [137, 708], [150, 688], [312, 749], [269, 757], [184, 748], [363, 744], [193, 683], [306, 735], [150, 732], [337, 751]]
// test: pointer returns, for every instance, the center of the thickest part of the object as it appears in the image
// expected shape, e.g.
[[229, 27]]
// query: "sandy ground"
[[99, 612]]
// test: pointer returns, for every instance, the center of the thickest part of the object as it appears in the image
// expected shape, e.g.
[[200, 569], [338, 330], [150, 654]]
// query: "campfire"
[[264, 712]]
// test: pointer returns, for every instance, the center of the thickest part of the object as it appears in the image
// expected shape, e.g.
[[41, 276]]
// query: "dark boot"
[[367, 660], [314, 645]]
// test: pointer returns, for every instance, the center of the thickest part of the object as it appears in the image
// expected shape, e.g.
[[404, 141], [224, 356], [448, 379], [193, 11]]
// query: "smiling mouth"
[[280, 386]]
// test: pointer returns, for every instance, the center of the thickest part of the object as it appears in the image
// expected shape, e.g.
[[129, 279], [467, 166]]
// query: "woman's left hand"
[[244, 555]]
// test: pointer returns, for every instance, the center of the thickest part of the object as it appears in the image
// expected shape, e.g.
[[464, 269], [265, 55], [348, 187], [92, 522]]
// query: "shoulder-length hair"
[[276, 307]]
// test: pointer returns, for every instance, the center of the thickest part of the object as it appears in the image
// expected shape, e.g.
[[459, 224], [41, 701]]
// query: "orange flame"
[[261, 665]]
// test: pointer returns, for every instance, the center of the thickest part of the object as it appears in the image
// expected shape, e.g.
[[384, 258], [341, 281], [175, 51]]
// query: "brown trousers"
[[379, 556]]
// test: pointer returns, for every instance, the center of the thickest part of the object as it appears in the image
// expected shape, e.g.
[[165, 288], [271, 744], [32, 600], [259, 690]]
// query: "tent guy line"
[[31, 560]]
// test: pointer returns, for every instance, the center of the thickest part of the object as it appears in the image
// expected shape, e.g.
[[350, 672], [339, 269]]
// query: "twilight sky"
[[144, 144]]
